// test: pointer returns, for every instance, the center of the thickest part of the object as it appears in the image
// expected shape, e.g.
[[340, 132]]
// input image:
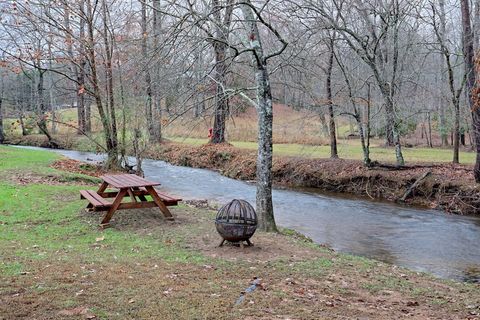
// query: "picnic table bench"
[[127, 185]]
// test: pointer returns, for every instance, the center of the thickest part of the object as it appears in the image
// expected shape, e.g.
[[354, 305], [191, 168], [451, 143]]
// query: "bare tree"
[[157, 107], [220, 46], [455, 89], [377, 44], [332, 131], [265, 112], [148, 78]]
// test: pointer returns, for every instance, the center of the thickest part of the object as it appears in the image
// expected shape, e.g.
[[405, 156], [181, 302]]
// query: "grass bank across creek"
[[56, 264]]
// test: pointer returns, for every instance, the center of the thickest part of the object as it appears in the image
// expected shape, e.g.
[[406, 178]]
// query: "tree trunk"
[[2, 135], [476, 120], [393, 125], [456, 133], [51, 85], [364, 127], [113, 152], [323, 123], [83, 125], [443, 102], [42, 108], [429, 119], [333, 138], [265, 151], [264, 204], [148, 79], [156, 87], [220, 74], [398, 147], [22, 124], [88, 113], [468, 54], [390, 124]]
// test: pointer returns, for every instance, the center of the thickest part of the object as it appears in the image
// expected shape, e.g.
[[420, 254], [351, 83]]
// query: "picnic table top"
[[127, 181]]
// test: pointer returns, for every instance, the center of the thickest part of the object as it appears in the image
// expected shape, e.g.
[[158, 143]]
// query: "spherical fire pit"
[[236, 222]]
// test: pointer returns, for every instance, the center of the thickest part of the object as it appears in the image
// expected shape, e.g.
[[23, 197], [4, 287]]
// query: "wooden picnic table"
[[127, 185]]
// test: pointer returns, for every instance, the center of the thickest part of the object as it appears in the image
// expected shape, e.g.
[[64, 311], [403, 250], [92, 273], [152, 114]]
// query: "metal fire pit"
[[236, 222]]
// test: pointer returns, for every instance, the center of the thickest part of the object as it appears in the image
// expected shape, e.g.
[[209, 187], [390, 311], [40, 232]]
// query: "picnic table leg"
[[114, 206], [142, 198], [102, 188], [132, 196], [168, 215]]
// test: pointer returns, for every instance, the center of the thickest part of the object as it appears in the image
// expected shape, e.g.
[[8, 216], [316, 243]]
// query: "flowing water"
[[423, 240]]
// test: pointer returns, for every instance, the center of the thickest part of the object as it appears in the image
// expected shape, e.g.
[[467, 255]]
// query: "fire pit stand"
[[236, 222]]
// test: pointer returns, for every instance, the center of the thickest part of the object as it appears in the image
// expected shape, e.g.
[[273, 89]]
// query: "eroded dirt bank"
[[448, 187]]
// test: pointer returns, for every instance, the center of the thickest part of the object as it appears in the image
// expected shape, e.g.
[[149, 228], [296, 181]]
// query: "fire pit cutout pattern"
[[236, 222]]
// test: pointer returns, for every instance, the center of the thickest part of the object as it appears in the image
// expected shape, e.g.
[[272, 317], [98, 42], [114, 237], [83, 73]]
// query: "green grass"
[[42, 222], [349, 149]]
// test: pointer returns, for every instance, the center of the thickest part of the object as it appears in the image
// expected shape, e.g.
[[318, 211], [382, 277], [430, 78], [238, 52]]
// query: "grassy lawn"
[[350, 149], [56, 264]]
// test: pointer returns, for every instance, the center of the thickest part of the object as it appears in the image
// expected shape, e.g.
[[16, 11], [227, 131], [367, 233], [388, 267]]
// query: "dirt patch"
[[75, 166], [198, 233], [47, 179]]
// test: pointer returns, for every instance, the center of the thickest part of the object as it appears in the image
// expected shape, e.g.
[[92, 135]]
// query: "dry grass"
[[289, 126]]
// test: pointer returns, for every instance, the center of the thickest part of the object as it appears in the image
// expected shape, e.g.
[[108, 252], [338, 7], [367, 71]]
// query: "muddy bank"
[[448, 187]]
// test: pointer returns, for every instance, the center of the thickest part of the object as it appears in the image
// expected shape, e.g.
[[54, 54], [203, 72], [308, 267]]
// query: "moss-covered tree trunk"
[[264, 204]]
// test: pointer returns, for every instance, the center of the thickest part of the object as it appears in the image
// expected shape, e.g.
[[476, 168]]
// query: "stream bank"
[[449, 187]]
